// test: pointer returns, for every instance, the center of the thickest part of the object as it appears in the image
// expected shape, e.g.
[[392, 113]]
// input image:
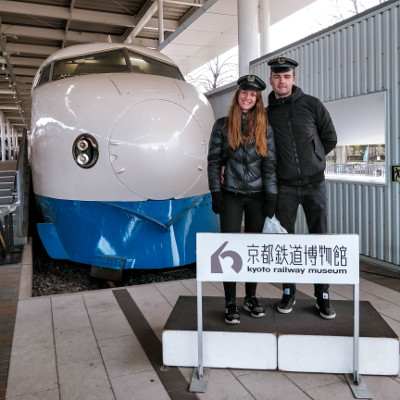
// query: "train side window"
[[101, 63], [146, 65], [45, 75]]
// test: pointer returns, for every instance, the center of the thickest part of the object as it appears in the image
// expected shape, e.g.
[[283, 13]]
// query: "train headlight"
[[82, 159], [82, 144], [85, 150]]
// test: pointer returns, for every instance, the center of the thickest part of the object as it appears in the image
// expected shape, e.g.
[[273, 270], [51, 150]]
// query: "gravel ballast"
[[60, 276]]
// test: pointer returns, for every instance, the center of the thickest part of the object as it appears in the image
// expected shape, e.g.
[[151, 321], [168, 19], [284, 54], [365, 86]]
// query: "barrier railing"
[[12, 215], [372, 170], [7, 232], [22, 166]]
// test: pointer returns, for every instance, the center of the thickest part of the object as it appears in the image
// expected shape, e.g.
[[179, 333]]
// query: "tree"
[[216, 73], [352, 7]]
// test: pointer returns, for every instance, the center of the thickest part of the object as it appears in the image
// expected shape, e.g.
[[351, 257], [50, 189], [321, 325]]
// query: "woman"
[[242, 149]]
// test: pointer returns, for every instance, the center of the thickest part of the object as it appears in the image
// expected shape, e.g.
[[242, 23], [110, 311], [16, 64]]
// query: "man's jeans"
[[313, 199]]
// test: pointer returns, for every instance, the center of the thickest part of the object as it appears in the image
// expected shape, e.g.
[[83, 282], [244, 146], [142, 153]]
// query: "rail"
[[356, 170]]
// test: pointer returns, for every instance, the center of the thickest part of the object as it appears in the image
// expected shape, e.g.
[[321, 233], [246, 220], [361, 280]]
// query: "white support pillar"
[[3, 136], [15, 143], [160, 21], [341, 155], [265, 23], [247, 33], [9, 143], [12, 130]]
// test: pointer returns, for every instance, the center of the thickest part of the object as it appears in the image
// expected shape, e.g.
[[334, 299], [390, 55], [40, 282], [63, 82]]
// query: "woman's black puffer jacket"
[[246, 172]]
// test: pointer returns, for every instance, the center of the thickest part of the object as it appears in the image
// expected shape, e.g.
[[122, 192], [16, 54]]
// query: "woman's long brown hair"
[[256, 124]]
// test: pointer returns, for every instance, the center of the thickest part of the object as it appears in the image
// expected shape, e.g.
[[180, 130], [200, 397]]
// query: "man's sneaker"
[[252, 305], [231, 314], [324, 307], [287, 302]]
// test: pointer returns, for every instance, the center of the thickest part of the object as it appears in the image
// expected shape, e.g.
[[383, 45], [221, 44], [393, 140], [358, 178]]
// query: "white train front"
[[119, 158]]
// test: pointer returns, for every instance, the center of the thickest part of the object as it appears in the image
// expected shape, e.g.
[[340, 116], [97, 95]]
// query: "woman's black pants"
[[235, 206]]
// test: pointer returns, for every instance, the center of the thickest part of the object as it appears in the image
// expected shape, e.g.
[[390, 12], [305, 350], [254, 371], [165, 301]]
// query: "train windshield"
[[101, 63], [146, 65], [121, 60]]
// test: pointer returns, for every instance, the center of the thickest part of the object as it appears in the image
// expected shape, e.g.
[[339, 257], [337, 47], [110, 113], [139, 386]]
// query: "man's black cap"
[[282, 64], [251, 82]]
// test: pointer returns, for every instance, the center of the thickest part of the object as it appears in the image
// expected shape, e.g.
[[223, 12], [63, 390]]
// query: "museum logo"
[[237, 262]]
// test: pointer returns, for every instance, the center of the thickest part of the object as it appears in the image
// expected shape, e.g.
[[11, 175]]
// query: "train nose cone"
[[158, 150]]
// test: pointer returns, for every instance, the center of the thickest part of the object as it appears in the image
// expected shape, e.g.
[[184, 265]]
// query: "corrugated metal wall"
[[356, 57], [221, 98]]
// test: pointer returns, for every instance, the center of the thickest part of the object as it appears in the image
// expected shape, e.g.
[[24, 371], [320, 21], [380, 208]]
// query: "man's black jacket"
[[304, 134]]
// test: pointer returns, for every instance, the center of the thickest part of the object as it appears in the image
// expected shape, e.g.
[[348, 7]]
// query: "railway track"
[[61, 276]]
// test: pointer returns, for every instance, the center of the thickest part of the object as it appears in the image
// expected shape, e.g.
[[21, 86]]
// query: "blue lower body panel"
[[125, 235]]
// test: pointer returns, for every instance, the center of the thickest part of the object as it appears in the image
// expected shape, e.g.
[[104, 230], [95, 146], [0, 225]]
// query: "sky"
[[313, 18]]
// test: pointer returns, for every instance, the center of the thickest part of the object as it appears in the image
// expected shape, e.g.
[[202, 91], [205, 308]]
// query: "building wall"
[[357, 56], [221, 98]]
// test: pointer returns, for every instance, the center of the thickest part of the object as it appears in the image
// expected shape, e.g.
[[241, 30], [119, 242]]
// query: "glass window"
[[146, 65], [112, 61], [45, 75], [358, 162], [360, 126]]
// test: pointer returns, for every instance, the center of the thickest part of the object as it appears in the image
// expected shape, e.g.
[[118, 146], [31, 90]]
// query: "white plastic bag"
[[272, 225]]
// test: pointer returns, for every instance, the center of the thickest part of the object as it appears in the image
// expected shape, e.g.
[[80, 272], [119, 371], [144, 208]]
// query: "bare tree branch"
[[216, 73], [341, 9]]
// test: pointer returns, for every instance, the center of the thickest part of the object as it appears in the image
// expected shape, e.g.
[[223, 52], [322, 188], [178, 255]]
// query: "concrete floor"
[[81, 346]]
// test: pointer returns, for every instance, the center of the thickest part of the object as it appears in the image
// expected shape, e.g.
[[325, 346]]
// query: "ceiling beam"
[[10, 74], [187, 3], [8, 107], [30, 49], [55, 34], [79, 15], [25, 71], [71, 36], [144, 15], [27, 61]]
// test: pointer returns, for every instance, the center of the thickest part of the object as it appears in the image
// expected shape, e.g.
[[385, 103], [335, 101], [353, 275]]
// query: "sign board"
[[289, 258], [396, 173]]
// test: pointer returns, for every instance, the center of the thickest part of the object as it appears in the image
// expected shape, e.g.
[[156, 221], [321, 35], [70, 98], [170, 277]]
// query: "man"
[[304, 134]]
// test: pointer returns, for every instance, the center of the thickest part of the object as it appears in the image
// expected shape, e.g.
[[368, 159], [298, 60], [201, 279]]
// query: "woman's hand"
[[217, 202], [270, 205]]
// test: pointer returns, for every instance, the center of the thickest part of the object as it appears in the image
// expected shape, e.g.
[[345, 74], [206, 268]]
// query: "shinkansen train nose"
[[158, 149]]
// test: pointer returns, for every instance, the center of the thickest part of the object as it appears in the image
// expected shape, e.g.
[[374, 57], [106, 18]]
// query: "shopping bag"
[[272, 225]]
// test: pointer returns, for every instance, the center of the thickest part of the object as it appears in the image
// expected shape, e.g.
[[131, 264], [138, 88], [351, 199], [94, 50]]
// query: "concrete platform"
[[299, 342], [92, 345], [307, 343], [225, 346]]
